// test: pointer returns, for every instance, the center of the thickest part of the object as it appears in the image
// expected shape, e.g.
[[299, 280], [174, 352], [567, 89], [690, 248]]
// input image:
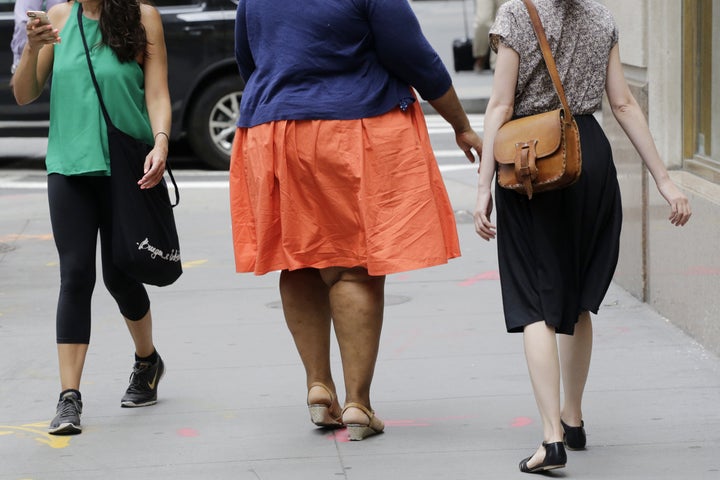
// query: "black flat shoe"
[[555, 457], [574, 436]]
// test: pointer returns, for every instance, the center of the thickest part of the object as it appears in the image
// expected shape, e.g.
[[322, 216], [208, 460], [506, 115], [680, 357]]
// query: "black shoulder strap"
[[92, 71], [102, 103]]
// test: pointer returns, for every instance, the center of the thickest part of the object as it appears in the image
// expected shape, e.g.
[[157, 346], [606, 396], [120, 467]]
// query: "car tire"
[[212, 121]]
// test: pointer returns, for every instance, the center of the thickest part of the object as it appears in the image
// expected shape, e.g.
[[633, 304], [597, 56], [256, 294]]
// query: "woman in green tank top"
[[127, 49]]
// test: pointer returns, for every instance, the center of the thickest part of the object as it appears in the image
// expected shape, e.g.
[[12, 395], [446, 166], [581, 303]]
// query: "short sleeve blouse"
[[581, 34]]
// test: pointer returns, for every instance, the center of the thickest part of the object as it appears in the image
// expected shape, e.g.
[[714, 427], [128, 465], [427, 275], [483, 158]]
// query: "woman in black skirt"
[[558, 251]]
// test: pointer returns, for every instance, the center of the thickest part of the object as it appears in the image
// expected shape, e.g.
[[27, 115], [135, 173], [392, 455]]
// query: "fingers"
[[150, 179], [42, 33], [154, 171], [34, 27], [469, 141], [680, 212], [469, 154], [484, 227], [486, 232]]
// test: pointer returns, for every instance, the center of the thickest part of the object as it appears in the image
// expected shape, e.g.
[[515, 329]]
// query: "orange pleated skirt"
[[340, 193]]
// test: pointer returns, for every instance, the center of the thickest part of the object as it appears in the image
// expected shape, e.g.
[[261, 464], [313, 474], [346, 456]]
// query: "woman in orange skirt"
[[333, 180]]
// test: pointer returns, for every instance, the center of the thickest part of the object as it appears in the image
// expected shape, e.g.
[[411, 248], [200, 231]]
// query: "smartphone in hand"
[[38, 14]]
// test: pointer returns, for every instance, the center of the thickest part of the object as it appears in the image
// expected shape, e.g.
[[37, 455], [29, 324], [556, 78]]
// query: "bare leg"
[[357, 301], [141, 333], [306, 307], [71, 359], [541, 353], [575, 353]]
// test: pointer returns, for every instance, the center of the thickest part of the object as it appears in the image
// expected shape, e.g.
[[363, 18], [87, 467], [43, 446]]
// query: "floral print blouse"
[[581, 34]]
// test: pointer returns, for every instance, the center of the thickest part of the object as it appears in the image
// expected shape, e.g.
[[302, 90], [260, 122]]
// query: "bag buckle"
[[525, 168]]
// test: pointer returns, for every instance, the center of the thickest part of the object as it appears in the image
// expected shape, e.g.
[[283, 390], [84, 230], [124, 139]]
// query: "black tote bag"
[[145, 242]]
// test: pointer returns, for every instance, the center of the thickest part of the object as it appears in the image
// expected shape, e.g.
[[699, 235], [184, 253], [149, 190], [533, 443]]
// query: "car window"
[[7, 5]]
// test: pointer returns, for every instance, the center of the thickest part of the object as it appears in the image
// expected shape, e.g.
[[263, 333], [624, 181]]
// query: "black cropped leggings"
[[79, 208]]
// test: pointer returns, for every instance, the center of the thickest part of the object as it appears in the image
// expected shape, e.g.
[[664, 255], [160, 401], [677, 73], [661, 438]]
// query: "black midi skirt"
[[557, 253]]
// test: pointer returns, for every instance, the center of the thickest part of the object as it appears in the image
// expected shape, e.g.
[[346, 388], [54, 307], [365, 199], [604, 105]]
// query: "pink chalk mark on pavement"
[[341, 436], [702, 271], [520, 422], [187, 432], [489, 275]]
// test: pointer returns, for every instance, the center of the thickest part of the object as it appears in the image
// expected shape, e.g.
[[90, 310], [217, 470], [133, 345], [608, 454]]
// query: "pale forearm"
[[633, 122], [495, 116]]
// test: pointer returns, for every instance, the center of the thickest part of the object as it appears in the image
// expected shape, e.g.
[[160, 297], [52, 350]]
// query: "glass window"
[[701, 87]]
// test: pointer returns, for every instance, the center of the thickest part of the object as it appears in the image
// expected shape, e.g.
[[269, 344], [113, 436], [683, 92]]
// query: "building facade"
[[671, 53]]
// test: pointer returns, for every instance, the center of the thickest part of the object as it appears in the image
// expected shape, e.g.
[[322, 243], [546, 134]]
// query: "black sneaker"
[[144, 381], [67, 419]]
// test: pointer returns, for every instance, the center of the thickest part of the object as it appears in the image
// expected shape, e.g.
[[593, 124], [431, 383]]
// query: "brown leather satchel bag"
[[539, 152]]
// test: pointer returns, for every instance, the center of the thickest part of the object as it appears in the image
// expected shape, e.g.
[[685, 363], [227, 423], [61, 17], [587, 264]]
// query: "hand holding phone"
[[38, 14], [46, 35]]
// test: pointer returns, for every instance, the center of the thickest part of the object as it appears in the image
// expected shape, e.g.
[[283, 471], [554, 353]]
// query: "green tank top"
[[77, 139]]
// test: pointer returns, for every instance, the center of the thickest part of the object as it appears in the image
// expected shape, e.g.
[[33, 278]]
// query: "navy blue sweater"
[[332, 59]]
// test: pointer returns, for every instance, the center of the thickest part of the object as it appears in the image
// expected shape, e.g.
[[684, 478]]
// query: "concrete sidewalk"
[[450, 384]]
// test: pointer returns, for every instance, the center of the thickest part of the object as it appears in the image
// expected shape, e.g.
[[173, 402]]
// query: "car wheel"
[[213, 120]]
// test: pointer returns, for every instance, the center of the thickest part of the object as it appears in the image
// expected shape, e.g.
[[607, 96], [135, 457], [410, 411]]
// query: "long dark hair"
[[122, 29]]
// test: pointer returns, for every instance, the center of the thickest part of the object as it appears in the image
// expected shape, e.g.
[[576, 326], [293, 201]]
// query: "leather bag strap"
[[549, 60]]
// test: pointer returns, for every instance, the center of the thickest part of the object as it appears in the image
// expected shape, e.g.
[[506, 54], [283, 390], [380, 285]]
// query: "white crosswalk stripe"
[[437, 124]]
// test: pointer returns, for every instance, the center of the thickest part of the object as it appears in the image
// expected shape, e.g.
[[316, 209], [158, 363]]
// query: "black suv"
[[205, 86]]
